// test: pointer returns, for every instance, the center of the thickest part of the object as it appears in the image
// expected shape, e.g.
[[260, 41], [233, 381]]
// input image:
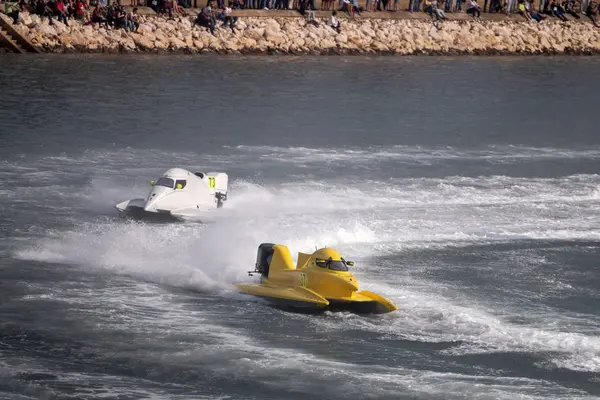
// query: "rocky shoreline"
[[295, 36]]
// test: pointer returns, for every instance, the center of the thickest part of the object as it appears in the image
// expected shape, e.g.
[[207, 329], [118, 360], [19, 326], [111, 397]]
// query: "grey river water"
[[467, 191]]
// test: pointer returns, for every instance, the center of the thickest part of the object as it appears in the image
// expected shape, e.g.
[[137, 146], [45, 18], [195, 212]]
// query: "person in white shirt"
[[473, 8], [334, 22]]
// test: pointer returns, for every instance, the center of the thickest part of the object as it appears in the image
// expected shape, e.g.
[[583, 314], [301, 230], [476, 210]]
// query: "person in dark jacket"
[[590, 13], [206, 19]]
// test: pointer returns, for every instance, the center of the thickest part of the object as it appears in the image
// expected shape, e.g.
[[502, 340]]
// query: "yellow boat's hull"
[[301, 297]]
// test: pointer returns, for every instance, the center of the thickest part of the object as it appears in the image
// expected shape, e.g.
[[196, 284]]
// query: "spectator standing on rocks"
[[449, 6], [414, 5]]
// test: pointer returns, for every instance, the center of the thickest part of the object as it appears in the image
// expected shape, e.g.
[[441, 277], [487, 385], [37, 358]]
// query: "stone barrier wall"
[[272, 35]]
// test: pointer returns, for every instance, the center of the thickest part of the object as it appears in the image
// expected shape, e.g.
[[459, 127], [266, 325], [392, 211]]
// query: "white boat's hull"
[[135, 209]]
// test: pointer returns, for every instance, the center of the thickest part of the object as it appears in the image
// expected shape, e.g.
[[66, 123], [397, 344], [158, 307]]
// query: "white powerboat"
[[182, 195]]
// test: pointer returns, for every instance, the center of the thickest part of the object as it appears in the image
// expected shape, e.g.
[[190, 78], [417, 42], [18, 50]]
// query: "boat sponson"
[[389, 306], [298, 294], [366, 301], [138, 213]]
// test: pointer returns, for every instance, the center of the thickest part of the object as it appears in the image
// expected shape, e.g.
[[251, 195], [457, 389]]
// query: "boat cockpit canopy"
[[334, 265], [166, 182], [170, 183]]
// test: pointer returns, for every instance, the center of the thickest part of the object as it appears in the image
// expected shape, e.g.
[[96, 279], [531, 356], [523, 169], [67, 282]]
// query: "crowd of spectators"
[[556, 8], [114, 15], [85, 11], [437, 9]]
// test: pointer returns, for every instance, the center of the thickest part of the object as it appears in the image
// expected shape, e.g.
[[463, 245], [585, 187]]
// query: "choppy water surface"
[[466, 190]]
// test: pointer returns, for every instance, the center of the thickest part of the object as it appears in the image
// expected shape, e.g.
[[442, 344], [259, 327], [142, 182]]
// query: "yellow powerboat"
[[320, 280]]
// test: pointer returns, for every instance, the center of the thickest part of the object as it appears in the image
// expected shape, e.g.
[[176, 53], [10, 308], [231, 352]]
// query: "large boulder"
[[274, 37], [35, 20], [341, 38], [26, 20], [379, 46], [142, 42], [272, 25], [177, 44], [161, 45], [198, 44], [185, 24], [255, 33], [146, 27], [46, 30]]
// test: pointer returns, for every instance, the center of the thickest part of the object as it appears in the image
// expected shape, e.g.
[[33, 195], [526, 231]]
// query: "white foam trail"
[[279, 367], [414, 154], [424, 314], [174, 255], [208, 257]]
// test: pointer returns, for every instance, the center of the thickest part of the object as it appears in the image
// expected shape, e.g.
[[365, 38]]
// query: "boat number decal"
[[211, 182], [303, 279]]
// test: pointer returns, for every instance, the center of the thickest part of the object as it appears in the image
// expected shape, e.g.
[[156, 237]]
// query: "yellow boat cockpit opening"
[[334, 265]]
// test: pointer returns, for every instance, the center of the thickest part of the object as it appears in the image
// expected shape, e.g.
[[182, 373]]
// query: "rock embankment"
[[296, 36]]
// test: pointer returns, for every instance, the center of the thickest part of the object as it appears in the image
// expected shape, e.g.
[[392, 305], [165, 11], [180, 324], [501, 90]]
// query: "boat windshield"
[[334, 265], [337, 266], [167, 182]]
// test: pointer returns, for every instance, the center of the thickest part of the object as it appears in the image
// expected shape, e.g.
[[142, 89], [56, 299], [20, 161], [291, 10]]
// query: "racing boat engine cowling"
[[262, 258]]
